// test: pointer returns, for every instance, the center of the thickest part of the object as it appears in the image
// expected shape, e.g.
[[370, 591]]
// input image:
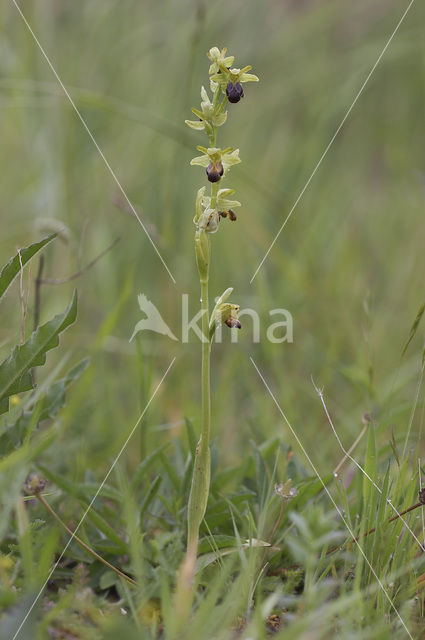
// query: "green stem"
[[206, 346], [206, 353], [201, 470]]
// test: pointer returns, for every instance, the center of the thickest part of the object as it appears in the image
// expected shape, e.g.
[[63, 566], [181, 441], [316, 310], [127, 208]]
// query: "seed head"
[[421, 496], [285, 490], [34, 484]]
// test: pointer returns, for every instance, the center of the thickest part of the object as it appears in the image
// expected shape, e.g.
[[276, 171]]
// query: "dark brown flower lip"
[[228, 214], [234, 92], [233, 322], [214, 171]]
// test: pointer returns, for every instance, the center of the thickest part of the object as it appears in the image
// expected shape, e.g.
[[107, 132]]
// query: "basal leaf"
[[13, 267], [15, 371]]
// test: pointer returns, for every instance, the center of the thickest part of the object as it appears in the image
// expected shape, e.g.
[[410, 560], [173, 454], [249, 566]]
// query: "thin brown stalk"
[[82, 544], [37, 293], [80, 272], [403, 513], [351, 449]]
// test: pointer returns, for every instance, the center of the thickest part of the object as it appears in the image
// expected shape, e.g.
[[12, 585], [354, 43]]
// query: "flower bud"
[[209, 221], [234, 92], [214, 171]]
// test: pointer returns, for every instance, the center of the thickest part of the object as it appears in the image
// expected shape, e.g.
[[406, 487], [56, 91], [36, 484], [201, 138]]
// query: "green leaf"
[[262, 479], [13, 267], [212, 543], [308, 489], [382, 507], [152, 491], [103, 526], [77, 491], [55, 395], [15, 371], [107, 580], [145, 465], [64, 484], [88, 489], [369, 491], [46, 408], [206, 559], [414, 328], [191, 437], [170, 471]]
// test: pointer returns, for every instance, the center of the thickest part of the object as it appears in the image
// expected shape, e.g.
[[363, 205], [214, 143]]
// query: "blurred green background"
[[349, 264]]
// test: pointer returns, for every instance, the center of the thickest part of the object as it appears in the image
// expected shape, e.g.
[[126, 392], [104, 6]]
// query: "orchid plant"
[[226, 87]]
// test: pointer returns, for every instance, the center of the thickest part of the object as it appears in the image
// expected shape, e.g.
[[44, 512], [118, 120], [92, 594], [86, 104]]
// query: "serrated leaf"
[[15, 371], [13, 267], [55, 395], [46, 408]]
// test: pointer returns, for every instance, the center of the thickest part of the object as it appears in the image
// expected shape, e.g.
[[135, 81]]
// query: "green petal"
[[204, 96], [220, 119], [195, 124], [229, 159], [201, 161], [198, 204], [248, 77], [198, 113], [225, 205]]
